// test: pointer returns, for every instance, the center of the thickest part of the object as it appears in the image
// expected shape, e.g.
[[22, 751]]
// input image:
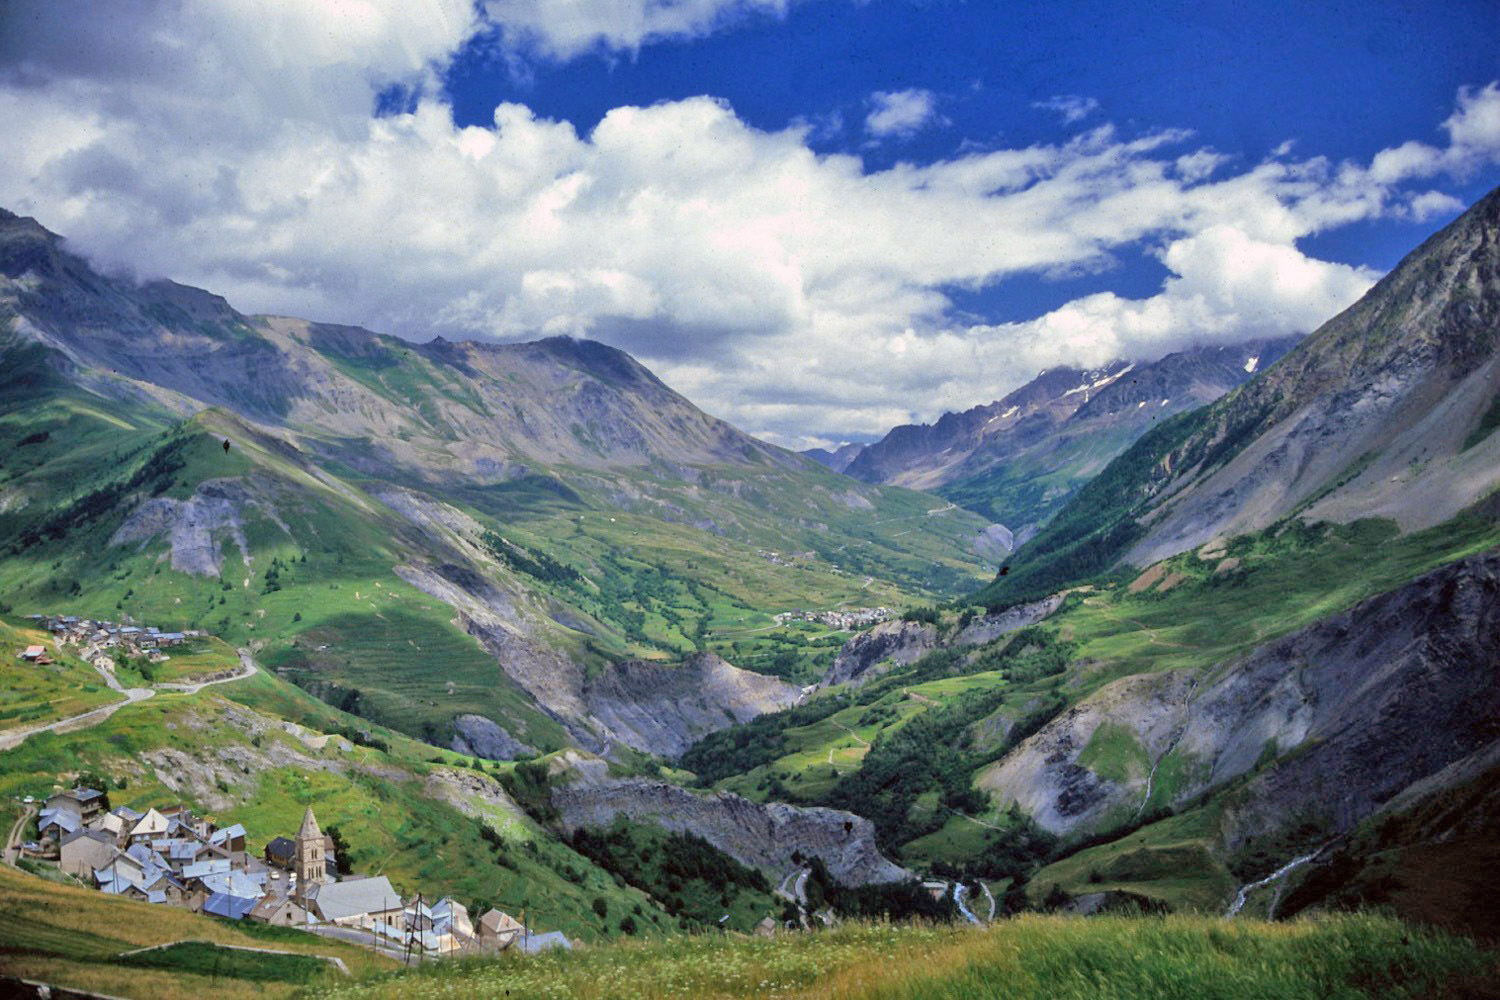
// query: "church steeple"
[[312, 868], [309, 830]]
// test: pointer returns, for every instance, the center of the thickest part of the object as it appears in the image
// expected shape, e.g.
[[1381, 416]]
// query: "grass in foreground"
[[73, 936], [1042, 957]]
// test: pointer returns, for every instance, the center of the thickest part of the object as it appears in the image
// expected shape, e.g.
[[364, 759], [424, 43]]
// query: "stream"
[[959, 892], [1245, 890]]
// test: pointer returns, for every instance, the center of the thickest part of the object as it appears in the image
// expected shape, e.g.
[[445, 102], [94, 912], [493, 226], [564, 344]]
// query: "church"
[[369, 902]]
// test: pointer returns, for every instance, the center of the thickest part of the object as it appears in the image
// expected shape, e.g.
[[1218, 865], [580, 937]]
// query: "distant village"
[[847, 620], [100, 641], [171, 857]]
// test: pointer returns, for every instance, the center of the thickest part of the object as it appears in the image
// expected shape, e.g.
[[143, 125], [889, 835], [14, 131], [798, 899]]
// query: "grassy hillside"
[[906, 749], [297, 553], [1033, 957], [36, 694], [75, 937], [423, 817]]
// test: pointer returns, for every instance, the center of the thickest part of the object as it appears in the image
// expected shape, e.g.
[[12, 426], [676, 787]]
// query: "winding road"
[[247, 668], [15, 737], [13, 839]]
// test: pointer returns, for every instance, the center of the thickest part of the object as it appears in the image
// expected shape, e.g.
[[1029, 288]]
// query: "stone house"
[[279, 910], [82, 851], [498, 930]]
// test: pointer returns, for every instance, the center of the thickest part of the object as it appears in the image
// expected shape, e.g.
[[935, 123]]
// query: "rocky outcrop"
[[664, 709], [1349, 711], [1090, 766], [988, 628], [761, 836], [874, 652], [994, 543], [477, 796], [479, 736], [196, 527]]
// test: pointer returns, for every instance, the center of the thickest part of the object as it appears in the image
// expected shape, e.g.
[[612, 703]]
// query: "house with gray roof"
[[533, 943], [234, 884], [201, 869], [357, 902], [56, 823], [229, 907], [81, 851], [280, 910]]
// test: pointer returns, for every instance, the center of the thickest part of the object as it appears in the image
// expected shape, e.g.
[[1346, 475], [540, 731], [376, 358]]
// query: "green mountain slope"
[[1382, 412], [454, 539]]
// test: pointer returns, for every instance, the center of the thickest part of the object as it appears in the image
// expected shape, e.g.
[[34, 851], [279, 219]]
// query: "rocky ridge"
[[876, 651], [761, 836], [1350, 712]]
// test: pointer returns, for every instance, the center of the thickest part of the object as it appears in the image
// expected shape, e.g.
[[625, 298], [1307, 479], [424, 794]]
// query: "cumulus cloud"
[[900, 112], [791, 292], [1071, 108], [562, 29]]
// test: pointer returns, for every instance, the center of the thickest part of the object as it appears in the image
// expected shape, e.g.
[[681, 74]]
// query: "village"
[[171, 857], [847, 620], [99, 642]]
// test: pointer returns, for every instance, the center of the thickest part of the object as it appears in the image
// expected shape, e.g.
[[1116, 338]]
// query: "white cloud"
[[562, 29], [900, 112], [1071, 108], [790, 292]]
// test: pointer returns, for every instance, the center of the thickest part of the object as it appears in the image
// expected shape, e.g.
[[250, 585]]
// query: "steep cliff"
[[762, 836], [664, 709], [1329, 723]]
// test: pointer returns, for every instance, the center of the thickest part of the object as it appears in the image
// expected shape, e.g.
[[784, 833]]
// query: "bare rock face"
[[479, 736], [1385, 696], [1092, 764], [991, 627], [994, 543], [195, 527], [874, 652], [665, 709], [1398, 381], [761, 836], [1355, 709]]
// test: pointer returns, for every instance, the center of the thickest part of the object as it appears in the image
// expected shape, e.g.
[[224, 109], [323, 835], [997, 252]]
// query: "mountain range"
[[1019, 459], [1239, 654], [544, 513]]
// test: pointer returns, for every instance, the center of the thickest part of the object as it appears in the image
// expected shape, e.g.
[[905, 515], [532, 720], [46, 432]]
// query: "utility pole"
[[422, 944]]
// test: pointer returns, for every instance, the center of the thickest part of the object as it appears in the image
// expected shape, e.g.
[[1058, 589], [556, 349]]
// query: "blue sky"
[[815, 218]]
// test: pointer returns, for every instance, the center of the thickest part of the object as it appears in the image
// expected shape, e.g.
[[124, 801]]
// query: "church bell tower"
[[311, 867]]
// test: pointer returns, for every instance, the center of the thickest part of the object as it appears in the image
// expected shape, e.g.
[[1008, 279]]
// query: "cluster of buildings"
[[98, 639], [847, 620], [172, 857]]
